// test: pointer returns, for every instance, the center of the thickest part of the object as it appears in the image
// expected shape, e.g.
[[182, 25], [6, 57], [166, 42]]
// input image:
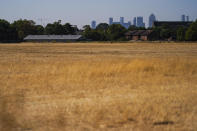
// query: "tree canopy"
[[19, 29], [191, 33]]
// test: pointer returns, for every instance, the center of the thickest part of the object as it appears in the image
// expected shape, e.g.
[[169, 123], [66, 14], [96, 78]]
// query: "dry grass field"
[[98, 86]]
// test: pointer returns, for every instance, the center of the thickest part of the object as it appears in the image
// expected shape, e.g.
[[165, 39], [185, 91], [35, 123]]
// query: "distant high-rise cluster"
[[126, 25], [138, 21], [152, 19], [93, 24], [184, 18]]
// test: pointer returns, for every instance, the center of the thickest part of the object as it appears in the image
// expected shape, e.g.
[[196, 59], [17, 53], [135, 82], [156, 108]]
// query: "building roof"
[[52, 37], [139, 32], [171, 23]]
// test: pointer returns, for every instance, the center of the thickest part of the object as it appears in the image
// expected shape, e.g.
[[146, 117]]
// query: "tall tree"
[[58, 29], [191, 34], [102, 27], [116, 32], [87, 32], [4, 27], [102, 30], [181, 33], [69, 29], [7, 31], [24, 28], [55, 29], [132, 27], [39, 30]]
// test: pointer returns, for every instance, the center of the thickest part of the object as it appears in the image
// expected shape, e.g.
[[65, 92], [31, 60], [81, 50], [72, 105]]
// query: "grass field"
[[98, 86]]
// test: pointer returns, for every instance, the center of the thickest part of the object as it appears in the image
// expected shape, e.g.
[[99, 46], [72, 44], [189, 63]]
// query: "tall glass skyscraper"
[[121, 20], [111, 21], [140, 22], [152, 19], [183, 18], [187, 18], [93, 24], [134, 21]]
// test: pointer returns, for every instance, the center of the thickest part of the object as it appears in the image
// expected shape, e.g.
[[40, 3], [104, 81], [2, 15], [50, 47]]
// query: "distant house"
[[52, 38], [143, 35]]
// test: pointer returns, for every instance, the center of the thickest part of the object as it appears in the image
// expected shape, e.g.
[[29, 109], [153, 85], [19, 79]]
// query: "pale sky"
[[82, 12]]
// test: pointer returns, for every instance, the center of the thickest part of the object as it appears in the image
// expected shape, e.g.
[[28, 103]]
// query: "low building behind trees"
[[143, 35], [53, 38]]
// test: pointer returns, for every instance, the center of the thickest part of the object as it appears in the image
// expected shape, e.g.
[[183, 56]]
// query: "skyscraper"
[[187, 18], [121, 20], [183, 18], [93, 24], [140, 22], [135, 21], [110, 21], [152, 19]]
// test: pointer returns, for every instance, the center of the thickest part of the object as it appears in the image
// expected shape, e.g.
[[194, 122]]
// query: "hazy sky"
[[81, 12]]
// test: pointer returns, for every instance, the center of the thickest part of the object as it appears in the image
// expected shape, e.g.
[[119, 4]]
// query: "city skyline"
[[137, 21], [82, 13], [121, 22]]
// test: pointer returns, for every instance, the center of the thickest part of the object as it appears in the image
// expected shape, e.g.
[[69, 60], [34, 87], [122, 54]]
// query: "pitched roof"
[[147, 32], [139, 32], [52, 37]]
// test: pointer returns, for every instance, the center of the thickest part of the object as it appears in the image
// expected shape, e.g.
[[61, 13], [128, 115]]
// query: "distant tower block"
[[140, 22], [110, 21], [121, 20], [93, 24], [152, 19], [187, 18], [135, 21], [183, 18]]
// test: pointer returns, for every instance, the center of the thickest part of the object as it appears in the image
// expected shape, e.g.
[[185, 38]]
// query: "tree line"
[[19, 29], [178, 33], [105, 32]]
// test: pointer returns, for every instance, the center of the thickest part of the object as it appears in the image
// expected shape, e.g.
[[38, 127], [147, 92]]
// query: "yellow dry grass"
[[99, 86]]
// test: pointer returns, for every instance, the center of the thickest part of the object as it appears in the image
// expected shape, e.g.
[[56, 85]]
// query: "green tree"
[[116, 32], [7, 31], [181, 33], [24, 28], [102, 27], [132, 27], [4, 26], [39, 30], [55, 29], [69, 29], [87, 31], [102, 30], [191, 33], [165, 33], [155, 35], [58, 29], [49, 29], [91, 34]]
